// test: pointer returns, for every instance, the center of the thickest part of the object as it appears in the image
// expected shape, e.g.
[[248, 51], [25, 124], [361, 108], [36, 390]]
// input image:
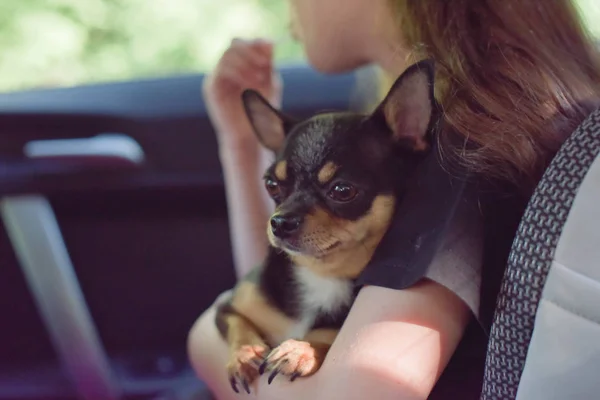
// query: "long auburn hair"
[[514, 78]]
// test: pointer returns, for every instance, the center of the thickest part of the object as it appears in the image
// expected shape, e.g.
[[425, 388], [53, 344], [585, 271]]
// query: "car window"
[[67, 42], [590, 11], [47, 43]]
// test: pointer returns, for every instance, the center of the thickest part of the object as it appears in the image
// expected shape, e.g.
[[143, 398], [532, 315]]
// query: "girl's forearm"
[[248, 204]]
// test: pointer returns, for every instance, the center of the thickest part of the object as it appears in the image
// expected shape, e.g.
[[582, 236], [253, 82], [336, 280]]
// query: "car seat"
[[545, 338]]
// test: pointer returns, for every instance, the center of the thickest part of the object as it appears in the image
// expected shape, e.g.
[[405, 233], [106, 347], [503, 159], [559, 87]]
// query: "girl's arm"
[[394, 345]]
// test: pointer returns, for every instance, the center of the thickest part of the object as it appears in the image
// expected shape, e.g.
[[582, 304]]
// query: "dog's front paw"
[[294, 358], [244, 364]]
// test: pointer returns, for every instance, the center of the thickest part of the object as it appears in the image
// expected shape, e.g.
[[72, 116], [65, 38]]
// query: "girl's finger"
[[254, 52]]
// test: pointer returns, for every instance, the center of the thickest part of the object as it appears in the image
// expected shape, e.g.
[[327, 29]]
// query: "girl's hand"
[[246, 64]]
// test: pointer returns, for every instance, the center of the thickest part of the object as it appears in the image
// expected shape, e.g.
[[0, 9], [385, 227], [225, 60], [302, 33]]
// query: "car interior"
[[115, 232], [115, 238]]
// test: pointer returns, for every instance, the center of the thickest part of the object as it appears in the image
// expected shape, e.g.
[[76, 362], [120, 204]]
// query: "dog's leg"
[[299, 358], [247, 348]]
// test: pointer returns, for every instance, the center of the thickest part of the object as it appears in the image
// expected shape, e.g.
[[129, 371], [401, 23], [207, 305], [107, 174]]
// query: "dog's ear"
[[409, 105], [270, 125]]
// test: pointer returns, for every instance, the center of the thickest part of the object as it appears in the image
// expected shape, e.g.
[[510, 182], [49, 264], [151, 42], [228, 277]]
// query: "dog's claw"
[[246, 387], [243, 365], [258, 362], [263, 367], [273, 375], [233, 383], [294, 376]]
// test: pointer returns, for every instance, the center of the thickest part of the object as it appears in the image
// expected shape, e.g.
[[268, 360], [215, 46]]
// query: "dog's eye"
[[272, 187], [343, 192]]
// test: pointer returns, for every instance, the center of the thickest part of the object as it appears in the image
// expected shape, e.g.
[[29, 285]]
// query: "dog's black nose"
[[284, 226]]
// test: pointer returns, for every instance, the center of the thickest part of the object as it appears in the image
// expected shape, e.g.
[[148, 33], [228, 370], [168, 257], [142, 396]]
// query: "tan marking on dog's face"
[[354, 241], [271, 323], [327, 172], [281, 170]]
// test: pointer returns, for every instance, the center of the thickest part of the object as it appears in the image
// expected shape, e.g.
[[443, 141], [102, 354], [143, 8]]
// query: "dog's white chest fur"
[[318, 294]]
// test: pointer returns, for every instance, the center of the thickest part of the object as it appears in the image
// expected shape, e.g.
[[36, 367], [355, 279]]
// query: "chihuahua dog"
[[336, 180]]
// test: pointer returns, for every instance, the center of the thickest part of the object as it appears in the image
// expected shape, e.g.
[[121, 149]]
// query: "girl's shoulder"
[[451, 227]]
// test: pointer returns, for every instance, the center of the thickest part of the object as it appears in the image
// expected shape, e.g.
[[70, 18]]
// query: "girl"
[[514, 78]]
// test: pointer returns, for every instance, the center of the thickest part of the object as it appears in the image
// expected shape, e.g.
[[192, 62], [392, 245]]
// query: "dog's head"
[[336, 176]]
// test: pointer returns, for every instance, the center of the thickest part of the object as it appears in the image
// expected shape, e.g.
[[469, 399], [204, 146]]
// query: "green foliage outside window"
[[69, 42]]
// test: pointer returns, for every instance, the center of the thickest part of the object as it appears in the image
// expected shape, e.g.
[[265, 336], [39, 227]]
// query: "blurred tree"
[[68, 42]]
